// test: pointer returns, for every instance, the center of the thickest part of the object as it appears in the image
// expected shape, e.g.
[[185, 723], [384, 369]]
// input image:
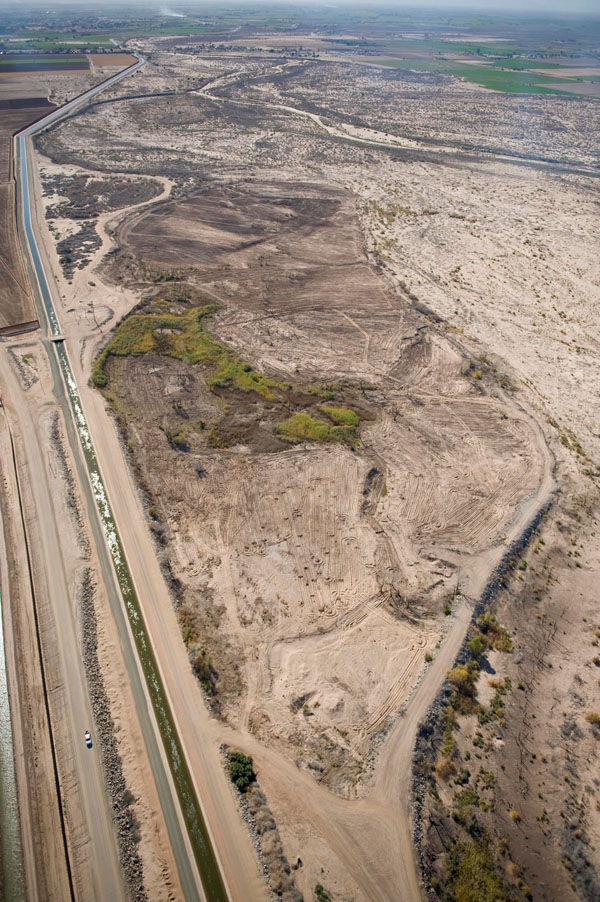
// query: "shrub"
[[476, 646], [495, 636], [241, 770], [178, 441], [448, 744], [462, 678], [99, 380], [203, 667], [592, 717], [321, 895], [472, 875], [462, 777]]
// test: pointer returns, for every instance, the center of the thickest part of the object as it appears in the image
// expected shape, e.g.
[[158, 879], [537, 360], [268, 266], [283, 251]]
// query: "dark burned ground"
[[205, 229], [268, 251], [85, 198], [326, 340]]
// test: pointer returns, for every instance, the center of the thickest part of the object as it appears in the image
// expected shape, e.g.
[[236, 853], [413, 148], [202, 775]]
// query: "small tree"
[[241, 770]]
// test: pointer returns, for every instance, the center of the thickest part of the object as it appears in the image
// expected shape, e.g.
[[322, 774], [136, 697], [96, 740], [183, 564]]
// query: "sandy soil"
[[590, 89], [26, 392], [101, 61]]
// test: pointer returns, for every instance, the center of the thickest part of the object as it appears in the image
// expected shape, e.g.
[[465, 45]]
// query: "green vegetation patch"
[[341, 416], [302, 427], [185, 337]]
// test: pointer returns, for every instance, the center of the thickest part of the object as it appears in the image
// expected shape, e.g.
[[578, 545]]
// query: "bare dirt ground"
[[395, 256], [104, 62]]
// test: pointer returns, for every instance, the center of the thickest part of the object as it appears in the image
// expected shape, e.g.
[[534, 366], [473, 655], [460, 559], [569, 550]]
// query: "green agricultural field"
[[29, 62], [498, 76]]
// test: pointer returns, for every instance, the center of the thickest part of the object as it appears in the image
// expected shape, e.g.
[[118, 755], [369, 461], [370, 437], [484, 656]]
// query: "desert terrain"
[[356, 360], [324, 292]]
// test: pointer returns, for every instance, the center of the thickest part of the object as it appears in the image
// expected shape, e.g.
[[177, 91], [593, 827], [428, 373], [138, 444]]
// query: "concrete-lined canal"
[[65, 389]]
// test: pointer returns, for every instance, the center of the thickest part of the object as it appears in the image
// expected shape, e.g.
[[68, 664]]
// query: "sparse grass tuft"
[[341, 416], [327, 392]]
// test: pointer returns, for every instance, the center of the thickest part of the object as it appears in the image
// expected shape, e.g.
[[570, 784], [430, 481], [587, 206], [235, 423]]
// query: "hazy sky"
[[527, 7]]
